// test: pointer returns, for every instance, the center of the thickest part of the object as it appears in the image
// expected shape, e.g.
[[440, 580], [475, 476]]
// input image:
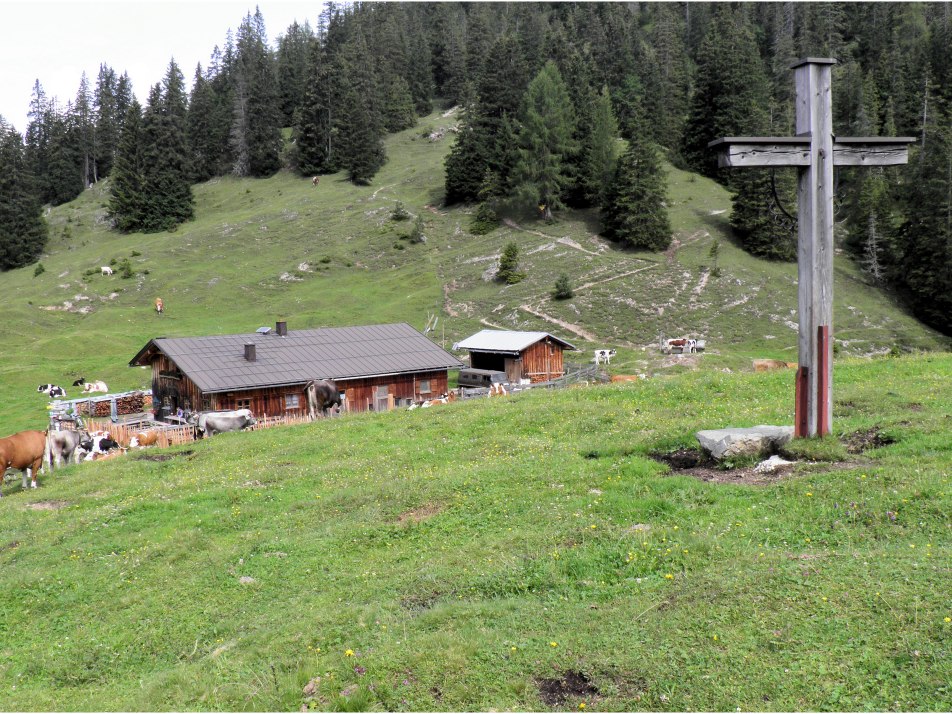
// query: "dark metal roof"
[[218, 364]]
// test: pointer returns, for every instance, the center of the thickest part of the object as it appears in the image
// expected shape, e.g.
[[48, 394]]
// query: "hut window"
[[242, 404], [206, 403], [292, 401], [424, 386]]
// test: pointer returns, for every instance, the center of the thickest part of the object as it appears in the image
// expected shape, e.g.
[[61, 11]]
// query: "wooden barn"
[[376, 367], [536, 356]]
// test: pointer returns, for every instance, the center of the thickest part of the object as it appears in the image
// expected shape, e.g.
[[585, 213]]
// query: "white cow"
[[106, 270], [604, 356], [95, 387]]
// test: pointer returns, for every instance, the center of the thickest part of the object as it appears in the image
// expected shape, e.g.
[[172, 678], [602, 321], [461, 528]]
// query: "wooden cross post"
[[814, 151]]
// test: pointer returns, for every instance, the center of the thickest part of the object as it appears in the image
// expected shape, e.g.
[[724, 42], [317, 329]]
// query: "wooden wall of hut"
[[271, 401], [542, 361], [365, 394], [172, 390]]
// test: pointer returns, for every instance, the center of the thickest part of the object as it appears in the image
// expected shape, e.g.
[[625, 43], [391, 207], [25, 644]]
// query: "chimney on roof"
[[250, 351], [281, 327]]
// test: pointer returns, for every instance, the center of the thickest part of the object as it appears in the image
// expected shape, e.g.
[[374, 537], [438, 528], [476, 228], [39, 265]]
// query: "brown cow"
[[626, 377], [144, 438], [764, 365], [23, 451], [316, 180]]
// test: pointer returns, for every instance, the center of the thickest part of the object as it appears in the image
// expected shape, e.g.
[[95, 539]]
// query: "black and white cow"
[[98, 445], [604, 356], [211, 423], [79, 382], [52, 390]]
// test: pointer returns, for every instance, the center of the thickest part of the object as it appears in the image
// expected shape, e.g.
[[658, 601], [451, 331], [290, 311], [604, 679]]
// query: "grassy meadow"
[[521, 554], [517, 554]]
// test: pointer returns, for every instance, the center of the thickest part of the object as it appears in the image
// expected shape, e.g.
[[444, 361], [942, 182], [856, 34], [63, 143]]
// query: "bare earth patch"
[[416, 515], [864, 439], [47, 505], [697, 464], [554, 692]]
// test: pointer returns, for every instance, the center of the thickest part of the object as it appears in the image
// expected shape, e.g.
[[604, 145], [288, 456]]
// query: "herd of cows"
[[32, 452]]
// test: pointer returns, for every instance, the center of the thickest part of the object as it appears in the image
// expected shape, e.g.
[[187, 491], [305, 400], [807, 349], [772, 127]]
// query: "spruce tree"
[[545, 142], [23, 232], [359, 121], [127, 185], [635, 214], [291, 68], [257, 119], [731, 95], [107, 121], [599, 156], [509, 272]]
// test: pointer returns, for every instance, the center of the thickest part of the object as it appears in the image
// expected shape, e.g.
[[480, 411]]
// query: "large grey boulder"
[[744, 441]]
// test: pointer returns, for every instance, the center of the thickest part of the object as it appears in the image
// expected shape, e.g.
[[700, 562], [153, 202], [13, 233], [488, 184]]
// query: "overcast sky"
[[55, 41]]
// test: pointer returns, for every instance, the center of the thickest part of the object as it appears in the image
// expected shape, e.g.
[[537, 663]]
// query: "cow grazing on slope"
[[106, 270], [604, 356], [322, 394], [63, 447], [159, 305], [23, 451], [211, 423]]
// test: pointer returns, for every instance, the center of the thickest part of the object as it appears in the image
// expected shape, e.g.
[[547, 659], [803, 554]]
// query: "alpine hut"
[[375, 367], [536, 356]]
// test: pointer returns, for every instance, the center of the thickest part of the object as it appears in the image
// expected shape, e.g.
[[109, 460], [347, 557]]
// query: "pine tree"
[[467, 162], [107, 121], [23, 232], [545, 141], [291, 68], [509, 272], [127, 187], [85, 130], [563, 288], [924, 235], [359, 121], [635, 213], [731, 91], [599, 156], [256, 125], [757, 221]]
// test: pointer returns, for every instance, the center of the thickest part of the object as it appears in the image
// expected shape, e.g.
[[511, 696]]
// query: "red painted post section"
[[801, 427], [823, 361]]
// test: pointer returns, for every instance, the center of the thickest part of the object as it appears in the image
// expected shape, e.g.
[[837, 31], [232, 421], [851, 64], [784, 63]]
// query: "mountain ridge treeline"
[[546, 89]]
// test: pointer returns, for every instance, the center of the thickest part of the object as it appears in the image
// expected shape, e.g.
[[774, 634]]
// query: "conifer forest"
[[561, 106]]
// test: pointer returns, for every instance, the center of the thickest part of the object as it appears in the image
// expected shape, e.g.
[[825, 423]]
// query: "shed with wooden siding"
[[376, 367], [536, 356]]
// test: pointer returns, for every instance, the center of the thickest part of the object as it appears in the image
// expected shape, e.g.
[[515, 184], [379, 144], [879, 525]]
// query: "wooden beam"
[[871, 151], [753, 151]]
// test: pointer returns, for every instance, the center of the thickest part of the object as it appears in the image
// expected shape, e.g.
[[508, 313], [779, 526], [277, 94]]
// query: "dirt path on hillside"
[[564, 240], [614, 277], [487, 323], [575, 329]]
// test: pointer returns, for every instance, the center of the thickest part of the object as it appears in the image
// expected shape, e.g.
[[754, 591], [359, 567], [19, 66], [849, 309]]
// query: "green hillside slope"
[[508, 554], [331, 254]]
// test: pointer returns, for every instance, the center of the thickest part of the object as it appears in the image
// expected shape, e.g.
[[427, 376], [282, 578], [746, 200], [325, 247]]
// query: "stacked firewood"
[[133, 403]]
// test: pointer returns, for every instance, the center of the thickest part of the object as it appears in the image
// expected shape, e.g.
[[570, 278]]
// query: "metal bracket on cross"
[[814, 151]]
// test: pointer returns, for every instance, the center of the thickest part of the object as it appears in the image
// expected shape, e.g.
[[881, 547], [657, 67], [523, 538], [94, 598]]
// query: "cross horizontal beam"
[[795, 151]]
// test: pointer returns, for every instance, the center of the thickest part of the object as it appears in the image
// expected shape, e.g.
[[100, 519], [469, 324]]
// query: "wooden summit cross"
[[815, 152]]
